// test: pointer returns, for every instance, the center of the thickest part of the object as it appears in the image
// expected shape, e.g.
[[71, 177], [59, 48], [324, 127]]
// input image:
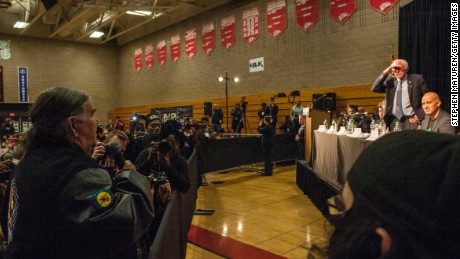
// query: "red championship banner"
[[148, 49], [175, 47], [190, 43], [227, 32], [161, 52], [251, 26], [208, 38], [382, 6], [307, 13], [276, 17], [341, 10], [138, 59]]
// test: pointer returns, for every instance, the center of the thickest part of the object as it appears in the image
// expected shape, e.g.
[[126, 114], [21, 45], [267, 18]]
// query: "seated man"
[[402, 208], [436, 119]]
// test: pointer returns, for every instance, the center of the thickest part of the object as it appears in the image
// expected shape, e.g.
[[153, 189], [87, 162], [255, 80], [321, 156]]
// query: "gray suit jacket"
[[387, 84], [441, 124]]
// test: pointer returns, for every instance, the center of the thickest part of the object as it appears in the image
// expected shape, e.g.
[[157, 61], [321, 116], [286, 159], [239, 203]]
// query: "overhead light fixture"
[[139, 13], [21, 25], [96, 34]]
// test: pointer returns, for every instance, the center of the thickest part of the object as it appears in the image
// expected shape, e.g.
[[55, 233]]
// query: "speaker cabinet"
[[208, 108], [325, 102]]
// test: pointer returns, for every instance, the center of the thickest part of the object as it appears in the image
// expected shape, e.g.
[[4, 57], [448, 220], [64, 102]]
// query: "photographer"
[[136, 145], [163, 164], [108, 153]]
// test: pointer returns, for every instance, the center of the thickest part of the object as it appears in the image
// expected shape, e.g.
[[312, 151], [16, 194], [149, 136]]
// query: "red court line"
[[226, 246]]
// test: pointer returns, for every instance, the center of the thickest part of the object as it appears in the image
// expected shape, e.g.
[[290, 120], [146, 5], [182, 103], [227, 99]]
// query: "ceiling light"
[[96, 34], [139, 13], [21, 25]]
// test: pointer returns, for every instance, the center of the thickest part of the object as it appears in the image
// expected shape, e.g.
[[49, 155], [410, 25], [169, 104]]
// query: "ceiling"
[[75, 20]]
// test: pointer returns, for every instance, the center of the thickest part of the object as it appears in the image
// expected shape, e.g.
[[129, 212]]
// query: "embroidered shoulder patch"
[[103, 198]]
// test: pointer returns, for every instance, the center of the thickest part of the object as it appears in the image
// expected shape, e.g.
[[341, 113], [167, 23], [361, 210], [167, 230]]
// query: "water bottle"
[[325, 124], [397, 127], [334, 125], [381, 129], [373, 126], [351, 126]]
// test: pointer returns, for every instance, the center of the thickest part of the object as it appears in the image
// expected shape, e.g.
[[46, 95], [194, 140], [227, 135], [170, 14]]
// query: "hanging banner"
[[251, 26], [149, 55], [382, 6], [307, 13], [23, 84], [176, 113], [174, 47], [208, 38], [161, 52], [341, 10], [138, 59], [1, 84], [276, 17], [190, 43], [227, 32]]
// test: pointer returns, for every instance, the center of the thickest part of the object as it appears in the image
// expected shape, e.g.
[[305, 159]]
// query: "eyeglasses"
[[336, 209], [396, 69]]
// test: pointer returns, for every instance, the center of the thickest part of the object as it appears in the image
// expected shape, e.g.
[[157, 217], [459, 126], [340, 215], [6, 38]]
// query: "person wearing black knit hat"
[[405, 205]]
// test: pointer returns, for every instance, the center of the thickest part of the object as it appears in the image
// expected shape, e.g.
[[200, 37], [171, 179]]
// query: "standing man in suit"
[[436, 119], [273, 112], [403, 94], [217, 117], [268, 135]]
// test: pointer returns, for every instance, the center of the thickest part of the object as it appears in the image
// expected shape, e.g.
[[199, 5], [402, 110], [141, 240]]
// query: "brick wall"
[[91, 68], [330, 55]]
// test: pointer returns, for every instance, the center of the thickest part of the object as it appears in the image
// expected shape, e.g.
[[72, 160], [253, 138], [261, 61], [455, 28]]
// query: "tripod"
[[245, 122]]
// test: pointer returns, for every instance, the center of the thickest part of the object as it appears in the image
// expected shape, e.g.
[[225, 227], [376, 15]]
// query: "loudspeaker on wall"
[[208, 108], [326, 102]]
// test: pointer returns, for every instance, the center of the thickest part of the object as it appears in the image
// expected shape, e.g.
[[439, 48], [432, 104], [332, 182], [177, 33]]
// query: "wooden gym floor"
[[255, 217]]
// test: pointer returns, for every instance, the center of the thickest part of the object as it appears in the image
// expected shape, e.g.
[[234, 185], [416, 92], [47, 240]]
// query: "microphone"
[[113, 149]]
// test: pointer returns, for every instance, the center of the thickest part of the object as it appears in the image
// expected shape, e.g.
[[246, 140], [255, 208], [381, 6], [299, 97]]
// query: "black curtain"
[[424, 41]]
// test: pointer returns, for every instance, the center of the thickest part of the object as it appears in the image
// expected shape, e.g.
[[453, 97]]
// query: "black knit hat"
[[411, 181]]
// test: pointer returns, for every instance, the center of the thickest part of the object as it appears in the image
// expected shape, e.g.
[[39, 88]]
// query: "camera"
[[164, 147], [157, 180], [113, 150]]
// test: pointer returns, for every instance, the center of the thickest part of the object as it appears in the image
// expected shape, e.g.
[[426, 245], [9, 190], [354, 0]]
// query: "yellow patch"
[[104, 199]]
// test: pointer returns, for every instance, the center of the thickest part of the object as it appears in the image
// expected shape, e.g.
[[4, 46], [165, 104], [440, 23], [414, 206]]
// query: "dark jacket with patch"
[[62, 205]]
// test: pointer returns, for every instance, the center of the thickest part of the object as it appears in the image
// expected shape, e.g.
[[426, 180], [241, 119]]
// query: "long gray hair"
[[50, 112]]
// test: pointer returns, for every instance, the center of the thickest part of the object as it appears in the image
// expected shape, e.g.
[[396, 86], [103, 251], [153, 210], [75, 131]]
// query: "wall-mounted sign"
[[276, 17], [5, 49], [251, 25], [23, 84], [307, 13], [174, 46], [138, 59], [341, 10], [227, 32], [256, 65], [208, 38], [190, 43], [149, 55], [161, 52], [382, 6]]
